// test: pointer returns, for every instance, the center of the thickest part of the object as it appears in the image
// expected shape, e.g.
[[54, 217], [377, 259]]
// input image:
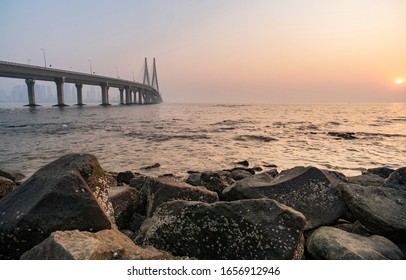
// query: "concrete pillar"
[[121, 95], [134, 92], [128, 99], [59, 91], [79, 94], [31, 92], [139, 97], [105, 93]]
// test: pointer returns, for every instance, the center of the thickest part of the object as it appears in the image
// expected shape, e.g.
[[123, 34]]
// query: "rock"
[[69, 193], [402, 248], [356, 228], [335, 178], [306, 190], [125, 177], [6, 186], [136, 222], [194, 179], [383, 172], [139, 181], [247, 229], [111, 179], [156, 165], [215, 181], [380, 209], [243, 163], [272, 172], [7, 175], [397, 180], [257, 169], [343, 135], [270, 165], [366, 180], [166, 189], [239, 174], [102, 245], [328, 243], [125, 201]]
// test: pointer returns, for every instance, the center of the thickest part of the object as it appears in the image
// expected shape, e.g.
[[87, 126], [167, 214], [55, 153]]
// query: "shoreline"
[[307, 212]]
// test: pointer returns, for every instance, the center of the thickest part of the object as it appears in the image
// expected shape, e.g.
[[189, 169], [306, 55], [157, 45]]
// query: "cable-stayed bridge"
[[131, 92]]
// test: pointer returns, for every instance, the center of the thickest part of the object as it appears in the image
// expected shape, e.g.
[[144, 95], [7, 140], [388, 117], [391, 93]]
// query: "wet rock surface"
[[246, 229], [328, 243], [69, 193], [306, 190], [102, 245], [380, 209]]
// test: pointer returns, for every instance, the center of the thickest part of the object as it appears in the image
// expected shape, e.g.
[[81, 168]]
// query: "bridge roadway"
[[128, 89]]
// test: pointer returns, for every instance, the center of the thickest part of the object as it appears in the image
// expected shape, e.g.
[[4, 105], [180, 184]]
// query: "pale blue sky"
[[217, 51]]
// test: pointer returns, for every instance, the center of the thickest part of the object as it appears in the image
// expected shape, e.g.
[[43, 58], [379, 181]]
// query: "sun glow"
[[400, 81]]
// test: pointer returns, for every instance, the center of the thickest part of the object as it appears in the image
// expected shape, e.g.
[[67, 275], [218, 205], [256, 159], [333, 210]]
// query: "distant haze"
[[235, 51]]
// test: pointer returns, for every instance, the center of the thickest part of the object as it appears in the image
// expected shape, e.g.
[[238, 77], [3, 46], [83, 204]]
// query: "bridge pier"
[[139, 97], [31, 92], [127, 95], [79, 94], [59, 91], [134, 92], [105, 93], [121, 95]]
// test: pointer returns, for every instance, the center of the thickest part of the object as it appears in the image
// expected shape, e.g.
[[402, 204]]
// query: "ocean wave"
[[259, 138]]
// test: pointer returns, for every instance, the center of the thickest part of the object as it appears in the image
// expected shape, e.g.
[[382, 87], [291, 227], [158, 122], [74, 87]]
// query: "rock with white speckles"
[[69, 193], [102, 245], [305, 189], [6, 186], [382, 210], [328, 243], [125, 201], [167, 188], [245, 229]]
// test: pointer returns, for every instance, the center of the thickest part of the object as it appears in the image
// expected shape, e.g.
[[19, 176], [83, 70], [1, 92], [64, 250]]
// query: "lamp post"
[[133, 77], [91, 71], [45, 60], [29, 61], [117, 73]]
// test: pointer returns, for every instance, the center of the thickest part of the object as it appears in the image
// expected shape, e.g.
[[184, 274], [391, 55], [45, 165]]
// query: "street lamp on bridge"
[[91, 71], [45, 60]]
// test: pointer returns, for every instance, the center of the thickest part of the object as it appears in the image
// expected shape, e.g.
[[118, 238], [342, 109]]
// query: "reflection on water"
[[184, 137]]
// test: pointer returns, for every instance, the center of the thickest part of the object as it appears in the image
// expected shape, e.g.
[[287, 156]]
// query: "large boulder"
[[366, 180], [382, 210], [6, 186], [125, 177], [306, 190], [82, 245], [245, 229], [69, 193], [216, 181], [397, 180], [328, 243], [383, 172], [125, 201], [168, 188]]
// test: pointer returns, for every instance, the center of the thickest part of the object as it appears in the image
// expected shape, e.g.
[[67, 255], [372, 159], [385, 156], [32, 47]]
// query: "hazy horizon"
[[221, 51]]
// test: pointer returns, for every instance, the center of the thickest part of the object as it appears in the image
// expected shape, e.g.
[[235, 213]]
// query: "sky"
[[221, 51]]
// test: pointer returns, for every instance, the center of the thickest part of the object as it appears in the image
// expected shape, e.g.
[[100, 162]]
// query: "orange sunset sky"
[[264, 51]]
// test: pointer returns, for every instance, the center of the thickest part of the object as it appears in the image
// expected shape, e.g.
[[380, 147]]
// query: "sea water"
[[199, 137]]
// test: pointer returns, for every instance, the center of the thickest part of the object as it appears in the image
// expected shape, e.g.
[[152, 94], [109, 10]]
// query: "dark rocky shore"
[[73, 209]]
